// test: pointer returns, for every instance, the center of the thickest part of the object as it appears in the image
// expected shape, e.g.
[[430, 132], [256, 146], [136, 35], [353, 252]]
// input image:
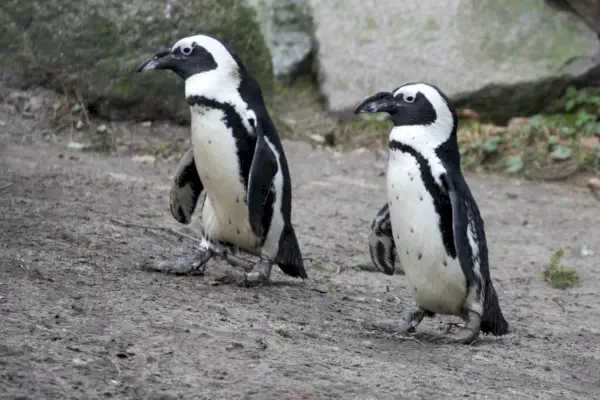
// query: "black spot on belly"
[[415, 289], [210, 141], [398, 237], [420, 255], [445, 263], [229, 222], [406, 252], [397, 198], [238, 231], [411, 178], [237, 199], [421, 198], [412, 230]]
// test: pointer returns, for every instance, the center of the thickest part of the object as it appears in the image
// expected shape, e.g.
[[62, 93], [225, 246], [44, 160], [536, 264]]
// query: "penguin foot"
[[389, 325], [467, 335], [191, 264], [260, 274]]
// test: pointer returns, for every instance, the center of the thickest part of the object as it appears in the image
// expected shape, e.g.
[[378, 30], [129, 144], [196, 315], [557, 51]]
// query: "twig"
[[6, 186], [414, 339], [339, 269], [557, 301], [154, 227], [387, 289], [79, 99]]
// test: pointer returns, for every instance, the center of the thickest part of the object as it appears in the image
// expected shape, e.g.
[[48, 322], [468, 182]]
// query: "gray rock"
[[502, 58], [93, 48], [588, 10], [288, 30]]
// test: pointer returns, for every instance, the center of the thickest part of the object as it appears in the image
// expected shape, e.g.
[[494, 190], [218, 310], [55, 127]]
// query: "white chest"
[[436, 281], [225, 213]]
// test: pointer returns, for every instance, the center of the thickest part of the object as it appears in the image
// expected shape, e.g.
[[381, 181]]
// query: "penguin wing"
[[186, 189], [382, 248], [262, 173], [454, 188]]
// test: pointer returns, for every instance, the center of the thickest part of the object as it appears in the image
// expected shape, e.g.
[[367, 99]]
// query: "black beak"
[[380, 102], [160, 60]]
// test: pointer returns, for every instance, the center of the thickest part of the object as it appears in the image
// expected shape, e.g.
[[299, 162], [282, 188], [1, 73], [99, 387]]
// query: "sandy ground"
[[79, 318]]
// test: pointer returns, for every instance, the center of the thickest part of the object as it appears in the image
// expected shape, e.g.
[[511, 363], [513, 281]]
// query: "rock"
[[93, 47], [499, 58], [588, 10], [144, 159], [288, 31]]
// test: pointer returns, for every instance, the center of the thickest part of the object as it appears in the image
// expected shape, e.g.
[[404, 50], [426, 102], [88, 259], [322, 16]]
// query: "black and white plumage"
[[237, 160], [436, 225], [382, 247]]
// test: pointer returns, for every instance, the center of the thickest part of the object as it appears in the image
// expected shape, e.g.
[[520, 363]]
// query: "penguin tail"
[[493, 321], [289, 257]]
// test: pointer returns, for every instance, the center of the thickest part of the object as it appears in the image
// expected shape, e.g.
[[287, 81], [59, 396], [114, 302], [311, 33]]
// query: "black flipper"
[[382, 247], [460, 224], [186, 189], [289, 257], [260, 180], [463, 210]]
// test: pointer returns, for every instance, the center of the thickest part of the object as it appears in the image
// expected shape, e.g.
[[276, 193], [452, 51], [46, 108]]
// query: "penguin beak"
[[163, 59], [380, 102]]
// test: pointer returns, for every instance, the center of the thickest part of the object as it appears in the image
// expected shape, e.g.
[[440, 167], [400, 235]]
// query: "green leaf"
[[536, 121], [514, 164], [582, 118], [491, 145], [571, 91], [561, 153], [569, 105], [567, 131]]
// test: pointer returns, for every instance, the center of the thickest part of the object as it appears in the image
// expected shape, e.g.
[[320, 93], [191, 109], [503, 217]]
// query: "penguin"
[[435, 221], [236, 161], [382, 248]]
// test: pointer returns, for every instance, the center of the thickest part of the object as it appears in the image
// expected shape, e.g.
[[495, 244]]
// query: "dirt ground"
[[79, 318]]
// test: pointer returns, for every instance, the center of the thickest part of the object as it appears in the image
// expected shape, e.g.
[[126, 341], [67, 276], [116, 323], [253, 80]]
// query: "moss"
[[560, 276], [560, 39], [94, 47]]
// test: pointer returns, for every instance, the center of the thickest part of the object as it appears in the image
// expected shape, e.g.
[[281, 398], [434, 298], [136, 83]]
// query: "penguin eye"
[[409, 98], [186, 50]]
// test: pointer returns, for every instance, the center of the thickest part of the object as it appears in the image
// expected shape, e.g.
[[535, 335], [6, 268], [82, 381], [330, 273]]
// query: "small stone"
[[79, 125], [76, 146], [146, 124], [144, 159], [594, 183]]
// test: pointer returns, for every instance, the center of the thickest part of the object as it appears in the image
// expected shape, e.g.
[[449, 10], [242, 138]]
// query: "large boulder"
[[288, 30], [93, 47], [500, 57], [588, 10]]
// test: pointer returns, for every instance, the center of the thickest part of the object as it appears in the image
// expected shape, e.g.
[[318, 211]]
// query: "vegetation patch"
[[554, 145], [558, 275]]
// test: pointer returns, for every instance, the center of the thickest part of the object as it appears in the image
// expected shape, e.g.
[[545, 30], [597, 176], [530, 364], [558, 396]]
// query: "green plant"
[[560, 276]]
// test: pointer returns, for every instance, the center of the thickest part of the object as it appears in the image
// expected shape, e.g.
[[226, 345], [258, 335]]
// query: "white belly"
[[225, 213], [436, 281]]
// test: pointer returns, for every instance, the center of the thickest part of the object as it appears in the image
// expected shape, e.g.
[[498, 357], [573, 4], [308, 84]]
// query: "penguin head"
[[202, 61], [416, 105]]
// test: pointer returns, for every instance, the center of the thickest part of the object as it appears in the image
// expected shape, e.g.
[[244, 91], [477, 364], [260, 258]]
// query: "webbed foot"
[[411, 320], [260, 273], [467, 335], [190, 264]]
